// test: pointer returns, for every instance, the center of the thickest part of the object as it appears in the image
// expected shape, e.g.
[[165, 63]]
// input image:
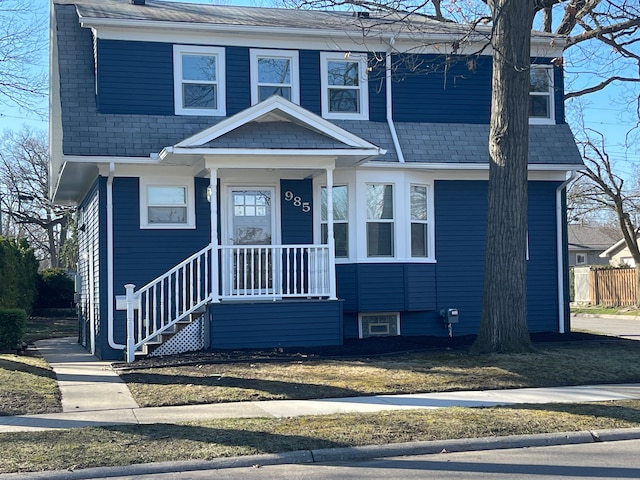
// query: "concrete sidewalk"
[[93, 395]]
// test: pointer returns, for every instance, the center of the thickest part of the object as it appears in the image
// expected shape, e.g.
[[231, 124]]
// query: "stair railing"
[[168, 299]]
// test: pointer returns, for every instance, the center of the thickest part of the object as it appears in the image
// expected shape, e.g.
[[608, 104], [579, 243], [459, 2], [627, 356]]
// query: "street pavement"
[[592, 461], [613, 325]]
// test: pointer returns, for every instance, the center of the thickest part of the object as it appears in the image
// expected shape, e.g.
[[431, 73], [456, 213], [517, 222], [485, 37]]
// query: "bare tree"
[[605, 189], [26, 208], [23, 82]]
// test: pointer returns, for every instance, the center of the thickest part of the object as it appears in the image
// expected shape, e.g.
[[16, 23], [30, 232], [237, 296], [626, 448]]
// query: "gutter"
[[110, 287], [559, 252], [392, 127]]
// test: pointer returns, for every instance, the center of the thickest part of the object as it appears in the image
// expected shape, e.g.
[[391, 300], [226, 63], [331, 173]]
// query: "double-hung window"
[[344, 86], [419, 221], [340, 219], [380, 220], [274, 72], [541, 106], [199, 81], [167, 203]]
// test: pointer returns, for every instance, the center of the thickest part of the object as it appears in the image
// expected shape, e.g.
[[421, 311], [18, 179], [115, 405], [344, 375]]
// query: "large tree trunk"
[[503, 325]]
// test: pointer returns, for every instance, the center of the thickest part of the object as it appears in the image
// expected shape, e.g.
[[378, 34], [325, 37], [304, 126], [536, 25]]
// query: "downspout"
[[110, 287], [392, 127], [560, 251]]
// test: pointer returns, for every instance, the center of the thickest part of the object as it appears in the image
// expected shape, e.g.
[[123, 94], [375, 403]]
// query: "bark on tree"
[[503, 324]]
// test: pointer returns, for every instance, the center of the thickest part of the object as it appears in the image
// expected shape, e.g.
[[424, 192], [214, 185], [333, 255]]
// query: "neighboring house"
[[618, 255], [346, 206], [587, 242]]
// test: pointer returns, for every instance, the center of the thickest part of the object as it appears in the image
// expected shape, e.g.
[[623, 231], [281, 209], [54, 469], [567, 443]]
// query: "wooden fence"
[[613, 286]]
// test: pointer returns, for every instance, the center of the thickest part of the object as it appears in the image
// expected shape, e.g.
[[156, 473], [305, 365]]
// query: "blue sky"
[[603, 111]]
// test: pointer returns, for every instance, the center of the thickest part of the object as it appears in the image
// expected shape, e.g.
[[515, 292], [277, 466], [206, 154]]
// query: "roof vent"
[[137, 2], [361, 14]]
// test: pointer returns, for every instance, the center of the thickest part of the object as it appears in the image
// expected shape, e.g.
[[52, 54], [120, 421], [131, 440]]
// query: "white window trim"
[[187, 182], [396, 314], [552, 111], [361, 58], [291, 55], [178, 51], [402, 182], [584, 256]]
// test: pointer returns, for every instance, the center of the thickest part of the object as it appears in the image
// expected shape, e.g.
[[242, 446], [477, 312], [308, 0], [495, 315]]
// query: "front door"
[[251, 232]]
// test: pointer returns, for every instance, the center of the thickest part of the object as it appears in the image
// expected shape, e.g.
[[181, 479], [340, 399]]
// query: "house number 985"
[[289, 196]]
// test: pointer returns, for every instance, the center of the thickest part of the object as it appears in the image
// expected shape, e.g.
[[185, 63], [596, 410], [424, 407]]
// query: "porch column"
[[331, 241], [213, 204]]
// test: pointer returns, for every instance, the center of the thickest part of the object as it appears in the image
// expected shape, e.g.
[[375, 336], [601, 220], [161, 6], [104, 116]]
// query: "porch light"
[[209, 193]]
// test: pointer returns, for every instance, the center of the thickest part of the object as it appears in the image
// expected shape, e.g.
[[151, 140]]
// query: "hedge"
[[13, 323], [18, 274], [55, 289]]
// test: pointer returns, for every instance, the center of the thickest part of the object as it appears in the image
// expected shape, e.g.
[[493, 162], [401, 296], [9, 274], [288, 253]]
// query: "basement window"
[[378, 324]]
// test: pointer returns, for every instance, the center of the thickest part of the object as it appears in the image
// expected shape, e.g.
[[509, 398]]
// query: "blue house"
[[255, 178]]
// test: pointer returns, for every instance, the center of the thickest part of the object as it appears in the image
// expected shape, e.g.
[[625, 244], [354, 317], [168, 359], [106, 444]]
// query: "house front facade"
[[269, 178]]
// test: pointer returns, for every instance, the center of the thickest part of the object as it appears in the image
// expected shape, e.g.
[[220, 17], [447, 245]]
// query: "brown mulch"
[[352, 348]]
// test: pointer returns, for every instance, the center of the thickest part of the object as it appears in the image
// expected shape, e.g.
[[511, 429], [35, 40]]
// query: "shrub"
[[18, 274], [55, 289], [13, 323]]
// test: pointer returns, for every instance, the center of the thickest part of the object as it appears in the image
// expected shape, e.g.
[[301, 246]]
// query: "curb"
[[342, 454]]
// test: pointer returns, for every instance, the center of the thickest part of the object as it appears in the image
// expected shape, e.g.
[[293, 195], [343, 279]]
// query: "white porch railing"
[[165, 301], [275, 271], [246, 272]]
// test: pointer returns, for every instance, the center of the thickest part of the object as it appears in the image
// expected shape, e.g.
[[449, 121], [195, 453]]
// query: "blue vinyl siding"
[[376, 287], [135, 77], [377, 88], [558, 82], [542, 282], [140, 255], [276, 324], [460, 218], [297, 225], [430, 88], [237, 79], [310, 81], [422, 323]]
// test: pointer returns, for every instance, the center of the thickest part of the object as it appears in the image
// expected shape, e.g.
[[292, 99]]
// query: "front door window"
[[252, 228]]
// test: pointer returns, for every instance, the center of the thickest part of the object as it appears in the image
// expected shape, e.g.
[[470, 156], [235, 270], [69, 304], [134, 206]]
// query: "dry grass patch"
[[553, 365], [127, 445], [27, 386]]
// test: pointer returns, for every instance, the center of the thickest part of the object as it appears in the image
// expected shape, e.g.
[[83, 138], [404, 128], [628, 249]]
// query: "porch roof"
[[274, 129]]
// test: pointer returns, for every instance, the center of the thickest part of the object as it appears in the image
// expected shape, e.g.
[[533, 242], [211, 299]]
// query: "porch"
[[229, 274]]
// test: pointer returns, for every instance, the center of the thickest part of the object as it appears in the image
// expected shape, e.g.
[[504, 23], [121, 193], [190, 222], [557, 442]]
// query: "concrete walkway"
[[93, 395]]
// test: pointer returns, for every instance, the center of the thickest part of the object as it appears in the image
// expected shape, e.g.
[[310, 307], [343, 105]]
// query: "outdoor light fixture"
[[209, 193]]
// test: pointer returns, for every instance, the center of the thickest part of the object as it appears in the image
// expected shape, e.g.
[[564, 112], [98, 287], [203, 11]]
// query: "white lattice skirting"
[[190, 339]]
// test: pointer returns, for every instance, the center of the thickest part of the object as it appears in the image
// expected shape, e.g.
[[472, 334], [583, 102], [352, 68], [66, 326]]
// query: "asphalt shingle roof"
[[587, 237]]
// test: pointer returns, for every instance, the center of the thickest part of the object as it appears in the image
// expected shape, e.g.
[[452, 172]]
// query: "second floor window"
[[541, 94], [199, 80], [344, 86], [274, 72]]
